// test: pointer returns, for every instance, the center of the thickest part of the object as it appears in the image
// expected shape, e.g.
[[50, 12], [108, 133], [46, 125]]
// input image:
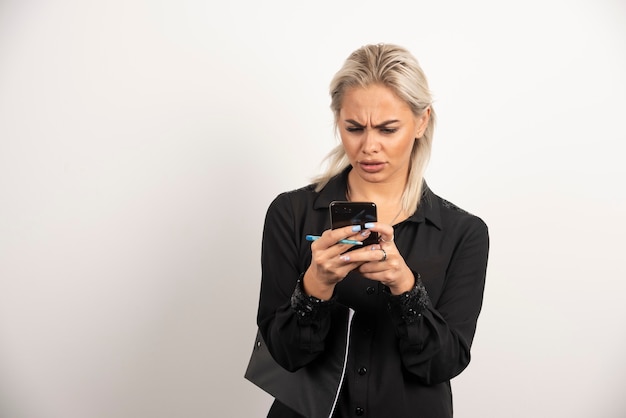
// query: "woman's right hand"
[[327, 268]]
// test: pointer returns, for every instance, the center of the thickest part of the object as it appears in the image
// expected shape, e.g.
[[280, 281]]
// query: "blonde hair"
[[395, 68]]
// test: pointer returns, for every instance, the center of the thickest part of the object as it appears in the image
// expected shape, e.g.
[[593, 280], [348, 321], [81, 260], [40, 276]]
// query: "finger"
[[376, 269], [371, 254], [386, 238], [330, 237], [346, 236], [386, 232], [381, 262], [378, 254], [345, 232]]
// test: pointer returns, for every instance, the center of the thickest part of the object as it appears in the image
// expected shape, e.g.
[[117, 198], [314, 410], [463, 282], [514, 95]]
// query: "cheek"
[[407, 146], [350, 146]]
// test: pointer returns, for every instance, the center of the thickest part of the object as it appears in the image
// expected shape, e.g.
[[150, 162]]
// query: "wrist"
[[404, 285], [308, 309], [317, 288], [409, 305]]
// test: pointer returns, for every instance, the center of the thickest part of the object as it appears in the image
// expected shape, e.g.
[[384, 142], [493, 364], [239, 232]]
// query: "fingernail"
[[366, 233], [369, 225], [356, 228], [344, 257]]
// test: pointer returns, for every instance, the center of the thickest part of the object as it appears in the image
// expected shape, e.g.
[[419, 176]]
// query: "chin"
[[372, 177]]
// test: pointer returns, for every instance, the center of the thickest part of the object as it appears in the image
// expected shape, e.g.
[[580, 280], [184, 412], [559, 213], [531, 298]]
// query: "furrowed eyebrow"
[[355, 123], [380, 125], [385, 123]]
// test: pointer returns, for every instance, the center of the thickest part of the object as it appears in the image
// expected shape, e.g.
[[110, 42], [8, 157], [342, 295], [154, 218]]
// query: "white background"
[[141, 142]]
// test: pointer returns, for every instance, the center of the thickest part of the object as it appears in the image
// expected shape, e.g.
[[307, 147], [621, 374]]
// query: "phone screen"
[[354, 213]]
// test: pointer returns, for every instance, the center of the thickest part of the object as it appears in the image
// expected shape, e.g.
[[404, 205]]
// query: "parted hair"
[[396, 68]]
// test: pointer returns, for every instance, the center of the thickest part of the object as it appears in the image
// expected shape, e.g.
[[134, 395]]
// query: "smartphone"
[[354, 213]]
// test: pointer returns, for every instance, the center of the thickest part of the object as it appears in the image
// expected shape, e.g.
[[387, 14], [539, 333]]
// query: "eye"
[[354, 129], [389, 130]]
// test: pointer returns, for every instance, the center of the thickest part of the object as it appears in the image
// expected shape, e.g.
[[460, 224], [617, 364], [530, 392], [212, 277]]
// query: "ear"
[[422, 123]]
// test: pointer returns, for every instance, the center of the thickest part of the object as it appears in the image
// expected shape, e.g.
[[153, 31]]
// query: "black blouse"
[[404, 350]]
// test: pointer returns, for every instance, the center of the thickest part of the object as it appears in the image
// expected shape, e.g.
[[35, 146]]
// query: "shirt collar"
[[335, 189], [428, 210]]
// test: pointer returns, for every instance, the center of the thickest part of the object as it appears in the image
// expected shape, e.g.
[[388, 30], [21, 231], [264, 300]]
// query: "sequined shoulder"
[[449, 205]]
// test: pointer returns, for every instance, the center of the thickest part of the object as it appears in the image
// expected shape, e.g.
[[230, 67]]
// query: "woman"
[[417, 293]]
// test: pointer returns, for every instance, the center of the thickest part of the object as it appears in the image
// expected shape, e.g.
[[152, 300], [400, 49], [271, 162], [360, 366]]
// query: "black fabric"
[[311, 390], [396, 368]]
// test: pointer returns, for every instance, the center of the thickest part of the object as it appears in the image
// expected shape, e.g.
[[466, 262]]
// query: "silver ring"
[[384, 255], [384, 240]]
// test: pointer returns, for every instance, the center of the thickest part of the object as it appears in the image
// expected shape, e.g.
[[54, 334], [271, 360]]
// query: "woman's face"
[[378, 131]]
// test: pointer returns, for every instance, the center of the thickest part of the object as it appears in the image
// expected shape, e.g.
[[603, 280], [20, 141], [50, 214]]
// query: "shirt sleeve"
[[293, 324], [435, 341]]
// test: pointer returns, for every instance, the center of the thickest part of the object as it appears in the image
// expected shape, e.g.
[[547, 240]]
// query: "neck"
[[388, 192], [387, 196]]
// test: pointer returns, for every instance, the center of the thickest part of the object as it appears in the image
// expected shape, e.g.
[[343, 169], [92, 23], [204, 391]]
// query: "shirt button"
[[363, 371], [370, 290], [359, 411]]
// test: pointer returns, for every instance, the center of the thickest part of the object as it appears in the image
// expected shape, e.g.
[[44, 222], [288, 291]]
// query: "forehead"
[[373, 100]]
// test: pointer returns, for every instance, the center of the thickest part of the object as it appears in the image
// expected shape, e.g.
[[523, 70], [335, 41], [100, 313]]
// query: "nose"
[[371, 142]]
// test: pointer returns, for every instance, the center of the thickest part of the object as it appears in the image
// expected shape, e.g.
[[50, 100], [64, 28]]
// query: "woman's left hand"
[[383, 262]]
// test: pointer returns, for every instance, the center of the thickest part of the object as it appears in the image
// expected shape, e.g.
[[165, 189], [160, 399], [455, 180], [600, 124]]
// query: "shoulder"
[[295, 200], [303, 193], [454, 217]]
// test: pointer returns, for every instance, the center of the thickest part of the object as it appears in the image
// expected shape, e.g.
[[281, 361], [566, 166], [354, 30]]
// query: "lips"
[[372, 166]]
